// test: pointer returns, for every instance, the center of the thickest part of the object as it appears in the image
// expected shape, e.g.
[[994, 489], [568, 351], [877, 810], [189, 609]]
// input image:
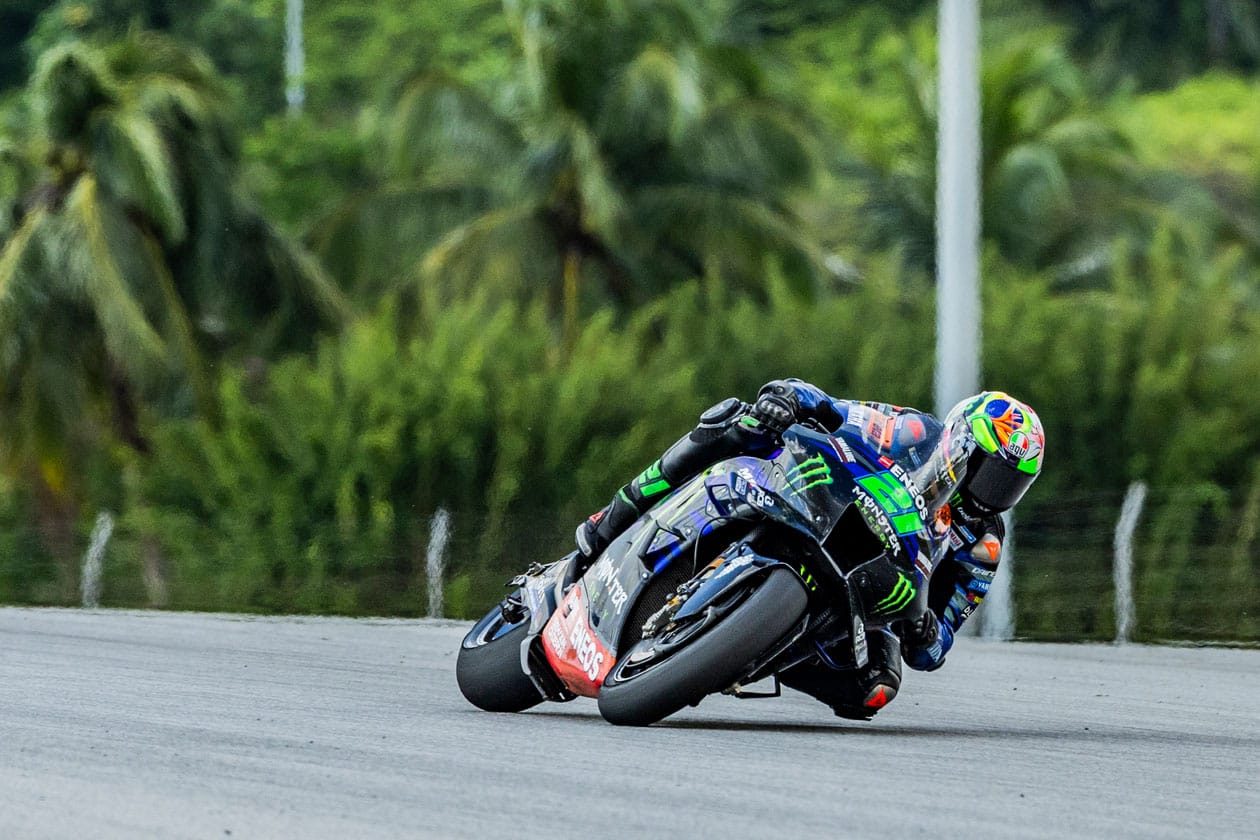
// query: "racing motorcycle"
[[752, 567]]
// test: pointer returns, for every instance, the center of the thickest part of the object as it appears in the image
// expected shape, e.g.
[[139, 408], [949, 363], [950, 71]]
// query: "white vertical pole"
[[1122, 569], [958, 204], [435, 559], [294, 56], [958, 343]]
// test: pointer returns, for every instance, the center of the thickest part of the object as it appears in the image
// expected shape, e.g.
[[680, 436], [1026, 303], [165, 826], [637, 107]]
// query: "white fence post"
[[1122, 568], [435, 559], [94, 560]]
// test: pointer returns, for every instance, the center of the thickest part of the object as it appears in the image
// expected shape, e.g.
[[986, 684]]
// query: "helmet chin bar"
[[992, 485]]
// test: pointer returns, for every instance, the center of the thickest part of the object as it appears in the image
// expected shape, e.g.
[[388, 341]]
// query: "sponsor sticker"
[[606, 574], [923, 564], [875, 517], [1018, 445], [577, 655], [842, 449], [557, 639], [861, 652], [589, 656]]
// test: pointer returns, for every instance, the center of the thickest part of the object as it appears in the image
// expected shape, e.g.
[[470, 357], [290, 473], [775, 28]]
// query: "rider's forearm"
[[970, 588]]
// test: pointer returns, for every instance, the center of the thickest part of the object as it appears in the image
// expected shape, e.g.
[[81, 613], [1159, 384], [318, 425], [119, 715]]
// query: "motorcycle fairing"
[[727, 571], [574, 651], [596, 607], [806, 485]]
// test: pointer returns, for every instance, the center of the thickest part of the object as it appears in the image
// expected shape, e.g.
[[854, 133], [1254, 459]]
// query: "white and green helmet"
[[1001, 444]]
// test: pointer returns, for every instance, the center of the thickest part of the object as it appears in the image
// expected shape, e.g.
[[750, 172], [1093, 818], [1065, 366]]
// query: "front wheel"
[[662, 674], [488, 668]]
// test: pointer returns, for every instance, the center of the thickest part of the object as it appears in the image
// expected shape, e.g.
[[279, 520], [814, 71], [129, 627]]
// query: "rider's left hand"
[[776, 407]]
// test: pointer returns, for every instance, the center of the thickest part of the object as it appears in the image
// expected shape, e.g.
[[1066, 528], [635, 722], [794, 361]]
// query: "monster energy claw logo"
[[809, 473], [901, 595]]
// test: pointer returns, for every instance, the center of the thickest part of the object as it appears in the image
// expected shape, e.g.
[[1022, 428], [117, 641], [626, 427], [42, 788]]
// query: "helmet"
[[997, 443]]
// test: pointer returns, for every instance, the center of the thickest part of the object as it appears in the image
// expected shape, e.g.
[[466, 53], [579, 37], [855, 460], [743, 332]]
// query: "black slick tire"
[[489, 674], [713, 661]]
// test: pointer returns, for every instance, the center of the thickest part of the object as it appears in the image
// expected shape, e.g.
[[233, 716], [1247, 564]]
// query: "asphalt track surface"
[[137, 725]]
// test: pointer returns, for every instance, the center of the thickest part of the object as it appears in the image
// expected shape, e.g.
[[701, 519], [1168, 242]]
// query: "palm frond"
[[70, 83], [601, 202], [508, 252], [126, 331], [654, 102], [738, 231], [445, 129], [15, 251], [756, 146], [131, 161]]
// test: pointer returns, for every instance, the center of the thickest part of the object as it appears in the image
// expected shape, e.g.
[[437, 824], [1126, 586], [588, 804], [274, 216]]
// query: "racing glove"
[[776, 407], [925, 641]]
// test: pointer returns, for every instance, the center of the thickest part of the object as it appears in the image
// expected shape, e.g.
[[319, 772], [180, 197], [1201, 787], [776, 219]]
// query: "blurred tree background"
[[508, 249]]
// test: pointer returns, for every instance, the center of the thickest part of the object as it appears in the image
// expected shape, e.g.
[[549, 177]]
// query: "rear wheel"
[[660, 675], [488, 669]]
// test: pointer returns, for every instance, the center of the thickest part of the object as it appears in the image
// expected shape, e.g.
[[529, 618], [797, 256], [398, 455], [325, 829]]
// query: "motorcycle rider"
[[971, 466]]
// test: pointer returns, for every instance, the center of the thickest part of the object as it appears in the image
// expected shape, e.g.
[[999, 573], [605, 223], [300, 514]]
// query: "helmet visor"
[[994, 484]]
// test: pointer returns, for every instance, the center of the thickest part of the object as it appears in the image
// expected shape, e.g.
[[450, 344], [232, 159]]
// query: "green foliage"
[[1169, 135], [1144, 379], [358, 50], [1168, 127], [301, 169], [571, 225], [635, 150], [1159, 44], [316, 493], [129, 258], [26, 575], [1059, 180], [243, 37]]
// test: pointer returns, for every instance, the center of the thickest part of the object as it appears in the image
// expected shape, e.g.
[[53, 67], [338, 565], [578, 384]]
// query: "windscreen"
[[929, 454]]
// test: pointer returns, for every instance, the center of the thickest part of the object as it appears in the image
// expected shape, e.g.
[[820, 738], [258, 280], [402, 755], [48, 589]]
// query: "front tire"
[[488, 668], [709, 663]]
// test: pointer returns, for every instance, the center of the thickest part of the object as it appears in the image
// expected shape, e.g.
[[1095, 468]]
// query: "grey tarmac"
[[178, 725]]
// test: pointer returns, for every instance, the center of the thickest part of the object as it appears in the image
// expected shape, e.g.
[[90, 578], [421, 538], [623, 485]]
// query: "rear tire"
[[488, 668], [711, 662]]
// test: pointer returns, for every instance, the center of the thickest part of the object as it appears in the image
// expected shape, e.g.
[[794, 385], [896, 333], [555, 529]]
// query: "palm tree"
[[1058, 181], [1161, 43], [130, 260], [636, 148]]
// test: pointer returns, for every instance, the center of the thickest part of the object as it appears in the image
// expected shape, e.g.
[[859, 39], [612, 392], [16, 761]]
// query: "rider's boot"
[[598, 531], [876, 684], [852, 694]]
